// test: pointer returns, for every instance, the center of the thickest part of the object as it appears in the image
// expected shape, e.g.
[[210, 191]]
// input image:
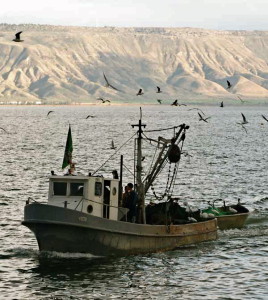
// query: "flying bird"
[[243, 127], [244, 120], [229, 85], [201, 118], [197, 109], [108, 84], [242, 101], [112, 145], [175, 103], [103, 101], [17, 37], [158, 89], [51, 111], [140, 92], [90, 116], [3, 129], [265, 118]]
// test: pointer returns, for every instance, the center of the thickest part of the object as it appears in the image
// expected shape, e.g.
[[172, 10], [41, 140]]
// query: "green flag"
[[67, 160]]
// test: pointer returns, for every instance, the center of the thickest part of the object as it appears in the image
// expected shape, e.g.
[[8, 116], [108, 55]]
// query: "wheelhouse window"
[[98, 188], [76, 188], [60, 188]]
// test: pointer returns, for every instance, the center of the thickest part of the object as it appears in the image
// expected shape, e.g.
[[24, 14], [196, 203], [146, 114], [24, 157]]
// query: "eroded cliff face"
[[66, 64]]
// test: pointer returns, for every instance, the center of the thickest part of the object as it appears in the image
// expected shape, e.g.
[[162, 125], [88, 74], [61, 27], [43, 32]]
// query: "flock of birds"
[[140, 92], [158, 91]]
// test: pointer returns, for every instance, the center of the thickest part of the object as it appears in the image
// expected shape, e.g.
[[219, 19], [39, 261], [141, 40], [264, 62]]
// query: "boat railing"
[[122, 210], [30, 199]]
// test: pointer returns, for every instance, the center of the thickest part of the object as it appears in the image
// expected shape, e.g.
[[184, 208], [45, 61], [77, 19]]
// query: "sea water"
[[221, 160]]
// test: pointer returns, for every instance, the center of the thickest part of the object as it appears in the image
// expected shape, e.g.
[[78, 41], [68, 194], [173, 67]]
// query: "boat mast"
[[140, 185]]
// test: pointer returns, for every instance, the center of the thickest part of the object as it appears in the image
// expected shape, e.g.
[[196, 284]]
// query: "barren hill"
[[66, 64]]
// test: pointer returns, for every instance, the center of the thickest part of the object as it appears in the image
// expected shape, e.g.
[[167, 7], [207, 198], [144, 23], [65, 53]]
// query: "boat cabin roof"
[[80, 185], [77, 178]]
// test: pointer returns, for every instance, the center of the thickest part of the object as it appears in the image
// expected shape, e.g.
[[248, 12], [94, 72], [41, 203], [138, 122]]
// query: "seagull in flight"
[[17, 37], [242, 101], [197, 109], [108, 84], [90, 116], [244, 120], [201, 118], [140, 92], [3, 129], [265, 118], [51, 111], [103, 101], [243, 127], [186, 154], [112, 145], [175, 103], [158, 89], [229, 85]]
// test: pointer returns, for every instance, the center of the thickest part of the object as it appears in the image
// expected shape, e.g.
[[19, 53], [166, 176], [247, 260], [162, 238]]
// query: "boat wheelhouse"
[[97, 196]]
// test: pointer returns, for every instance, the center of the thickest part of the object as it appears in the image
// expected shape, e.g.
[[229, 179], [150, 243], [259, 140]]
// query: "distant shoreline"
[[248, 103]]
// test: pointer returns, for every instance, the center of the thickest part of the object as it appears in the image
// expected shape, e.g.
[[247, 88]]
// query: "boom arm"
[[160, 160]]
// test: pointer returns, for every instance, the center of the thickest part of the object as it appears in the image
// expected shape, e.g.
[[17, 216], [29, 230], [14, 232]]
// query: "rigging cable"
[[150, 167], [163, 129], [114, 153], [177, 164], [171, 182], [128, 170]]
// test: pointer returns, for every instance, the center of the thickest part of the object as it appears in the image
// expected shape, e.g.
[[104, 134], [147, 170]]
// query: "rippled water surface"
[[224, 162]]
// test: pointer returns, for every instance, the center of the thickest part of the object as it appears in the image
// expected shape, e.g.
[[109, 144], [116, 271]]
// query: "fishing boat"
[[228, 216], [85, 214]]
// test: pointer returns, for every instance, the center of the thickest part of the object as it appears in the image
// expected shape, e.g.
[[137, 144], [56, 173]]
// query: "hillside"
[[66, 64]]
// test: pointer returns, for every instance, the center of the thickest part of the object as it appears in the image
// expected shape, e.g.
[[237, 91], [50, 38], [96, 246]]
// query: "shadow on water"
[[77, 266], [72, 268]]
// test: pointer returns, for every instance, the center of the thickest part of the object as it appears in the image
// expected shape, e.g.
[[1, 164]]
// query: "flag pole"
[[67, 159]]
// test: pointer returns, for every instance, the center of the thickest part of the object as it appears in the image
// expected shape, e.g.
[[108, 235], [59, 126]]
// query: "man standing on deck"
[[131, 203]]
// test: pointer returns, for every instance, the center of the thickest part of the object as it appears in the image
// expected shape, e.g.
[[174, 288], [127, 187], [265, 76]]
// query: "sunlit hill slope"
[[66, 64]]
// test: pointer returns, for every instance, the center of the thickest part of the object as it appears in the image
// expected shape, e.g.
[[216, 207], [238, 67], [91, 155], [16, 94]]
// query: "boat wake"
[[248, 232], [54, 254], [257, 219], [262, 200], [20, 253], [27, 252]]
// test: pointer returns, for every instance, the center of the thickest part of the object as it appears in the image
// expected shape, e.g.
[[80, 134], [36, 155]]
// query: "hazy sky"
[[213, 14]]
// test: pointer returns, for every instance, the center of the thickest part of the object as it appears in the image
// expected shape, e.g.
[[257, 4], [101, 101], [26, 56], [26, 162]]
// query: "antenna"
[[140, 186], [140, 125]]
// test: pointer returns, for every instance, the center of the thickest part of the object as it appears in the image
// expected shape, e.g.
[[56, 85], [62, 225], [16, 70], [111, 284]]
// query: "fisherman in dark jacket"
[[131, 203]]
